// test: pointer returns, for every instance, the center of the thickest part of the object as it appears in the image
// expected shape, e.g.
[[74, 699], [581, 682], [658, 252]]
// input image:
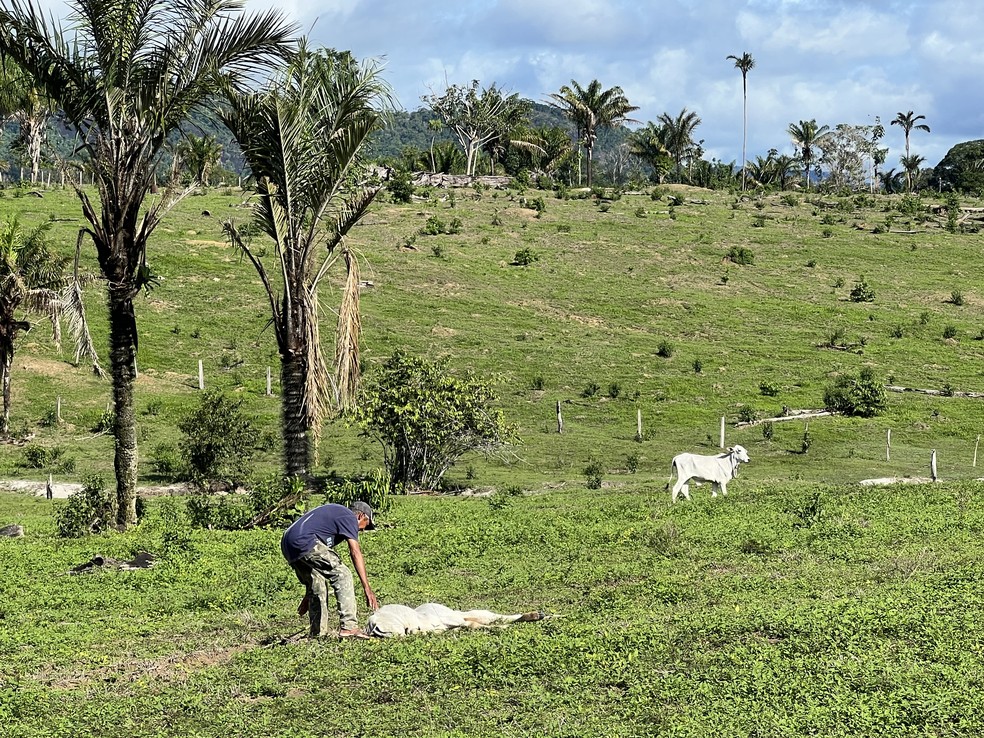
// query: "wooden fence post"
[[722, 431], [201, 375], [560, 419], [639, 424], [888, 445], [932, 466], [976, 444], [58, 409]]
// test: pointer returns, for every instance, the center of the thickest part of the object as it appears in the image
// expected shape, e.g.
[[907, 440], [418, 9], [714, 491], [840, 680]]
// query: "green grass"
[[745, 615], [607, 290]]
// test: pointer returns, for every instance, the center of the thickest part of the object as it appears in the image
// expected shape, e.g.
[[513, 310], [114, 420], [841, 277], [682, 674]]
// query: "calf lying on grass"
[[398, 620]]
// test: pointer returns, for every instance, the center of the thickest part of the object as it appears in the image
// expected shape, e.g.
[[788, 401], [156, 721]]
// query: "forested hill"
[[404, 129]]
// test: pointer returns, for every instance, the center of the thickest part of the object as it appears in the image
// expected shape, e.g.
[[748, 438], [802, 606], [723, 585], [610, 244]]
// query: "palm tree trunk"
[[297, 440], [744, 130], [6, 360], [122, 353]]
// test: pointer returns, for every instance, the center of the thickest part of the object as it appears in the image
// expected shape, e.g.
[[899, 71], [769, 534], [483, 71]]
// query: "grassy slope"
[[607, 289]]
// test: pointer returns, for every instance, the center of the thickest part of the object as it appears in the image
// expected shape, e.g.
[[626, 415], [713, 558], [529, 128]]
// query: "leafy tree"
[[426, 419], [807, 137], [891, 181], [476, 117], [217, 442], [200, 154], [679, 136], [124, 76], [912, 165], [845, 152], [304, 137], [591, 109], [32, 279], [744, 63]]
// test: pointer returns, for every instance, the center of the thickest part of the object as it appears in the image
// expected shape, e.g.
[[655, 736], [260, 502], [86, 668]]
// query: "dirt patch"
[[61, 490], [550, 311]]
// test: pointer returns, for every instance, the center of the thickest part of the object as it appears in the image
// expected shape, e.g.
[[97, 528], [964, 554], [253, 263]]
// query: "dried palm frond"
[[347, 336]]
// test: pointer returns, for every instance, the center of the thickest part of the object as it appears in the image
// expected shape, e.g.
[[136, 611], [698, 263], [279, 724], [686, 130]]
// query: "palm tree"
[[911, 165], [649, 145], [745, 62], [22, 101], [33, 280], [807, 136], [679, 135], [590, 109], [199, 154], [125, 75], [891, 181], [908, 122], [303, 138]]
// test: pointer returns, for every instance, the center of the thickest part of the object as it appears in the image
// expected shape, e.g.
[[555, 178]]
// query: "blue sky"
[[839, 61]]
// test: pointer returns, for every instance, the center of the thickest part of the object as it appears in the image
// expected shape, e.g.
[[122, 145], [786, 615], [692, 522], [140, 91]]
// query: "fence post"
[[932, 466], [888, 446], [269, 388], [560, 419], [976, 444], [722, 431], [49, 491], [201, 375], [58, 409], [639, 424]]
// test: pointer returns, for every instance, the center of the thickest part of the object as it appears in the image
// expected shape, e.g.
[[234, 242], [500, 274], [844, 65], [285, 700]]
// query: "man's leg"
[[327, 568], [316, 596]]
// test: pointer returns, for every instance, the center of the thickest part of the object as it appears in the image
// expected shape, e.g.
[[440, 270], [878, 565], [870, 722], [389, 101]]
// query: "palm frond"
[[347, 335]]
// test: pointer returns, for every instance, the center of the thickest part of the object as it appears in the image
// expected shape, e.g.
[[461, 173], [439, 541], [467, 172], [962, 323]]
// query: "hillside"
[[629, 306]]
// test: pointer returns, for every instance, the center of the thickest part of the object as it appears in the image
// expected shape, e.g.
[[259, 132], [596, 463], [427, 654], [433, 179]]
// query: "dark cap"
[[363, 507]]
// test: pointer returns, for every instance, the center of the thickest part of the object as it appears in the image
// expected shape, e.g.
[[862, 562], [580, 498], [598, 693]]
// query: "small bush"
[[525, 257], [747, 414], [790, 199], [949, 331], [769, 389], [862, 292], [924, 317], [811, 263], [433, 227], [438, 251], [698, 366], [401, 187], [768, 430], [758, 220], [594, 472], [665, 349], [90, 510], [632, 463], [454, 227], [807, 441], [592, 389], [862, 395], [538, 383], [496, 219], [640, 212], [809, 514], [897, 332], [740, 255], [217, 443], [614, 390], [956, 297], [827, 233], [36, 457], [166, 461]]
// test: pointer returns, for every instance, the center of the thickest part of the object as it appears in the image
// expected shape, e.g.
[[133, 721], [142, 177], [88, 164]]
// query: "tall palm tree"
[[807, 136], [33, 280], [744, 63], [125, 74], [909, 122], [304, 137], [591, 108], [649, 144], [679, 135]]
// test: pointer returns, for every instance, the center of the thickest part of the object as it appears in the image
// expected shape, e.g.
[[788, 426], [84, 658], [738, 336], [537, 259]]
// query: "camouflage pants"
[[315, 570]]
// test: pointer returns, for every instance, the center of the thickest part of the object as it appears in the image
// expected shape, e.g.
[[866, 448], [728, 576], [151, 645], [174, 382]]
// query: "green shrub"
[[768, 430], [426, 419], [433, 227], [956, 297], [454, 227], [897, 332], [827, 233], [790, 199], [949, 331], [632, 463], [525, 257], [862, 395], [90, 510], [664, 349], [614, 390], [374, 489], [217, 442], [591, 389], [36, 457], [862, 292], [594, 472], [401, 187], [698, 365], [747, 414], [538, 383], [166, 461], [740, 255], [758, 221], [769, 389]]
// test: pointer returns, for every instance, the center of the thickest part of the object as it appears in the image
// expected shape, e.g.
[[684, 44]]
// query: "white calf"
[[717, 470], [398, 620]]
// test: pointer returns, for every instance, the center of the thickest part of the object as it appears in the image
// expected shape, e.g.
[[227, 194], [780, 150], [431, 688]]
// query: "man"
[[309, 547]]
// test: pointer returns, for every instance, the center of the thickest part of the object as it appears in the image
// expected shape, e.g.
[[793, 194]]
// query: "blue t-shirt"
[[328, 524]]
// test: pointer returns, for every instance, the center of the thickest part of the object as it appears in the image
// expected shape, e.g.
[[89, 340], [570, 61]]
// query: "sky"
[[838, 61]]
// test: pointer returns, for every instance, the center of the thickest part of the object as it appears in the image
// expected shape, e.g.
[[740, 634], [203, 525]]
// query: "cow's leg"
[[714, 489], [724, 488], [681, 485]]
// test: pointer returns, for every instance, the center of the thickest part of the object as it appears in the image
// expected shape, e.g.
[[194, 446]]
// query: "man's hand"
[[371, 600]]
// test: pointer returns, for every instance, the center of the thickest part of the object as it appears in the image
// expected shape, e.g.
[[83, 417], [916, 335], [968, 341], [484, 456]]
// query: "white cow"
[[398, 620], [717, 470]]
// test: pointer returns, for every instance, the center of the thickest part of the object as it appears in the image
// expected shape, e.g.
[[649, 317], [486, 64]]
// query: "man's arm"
[[360, 568]]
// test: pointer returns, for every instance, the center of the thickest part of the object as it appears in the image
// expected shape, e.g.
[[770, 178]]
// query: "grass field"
[[801, 604]]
